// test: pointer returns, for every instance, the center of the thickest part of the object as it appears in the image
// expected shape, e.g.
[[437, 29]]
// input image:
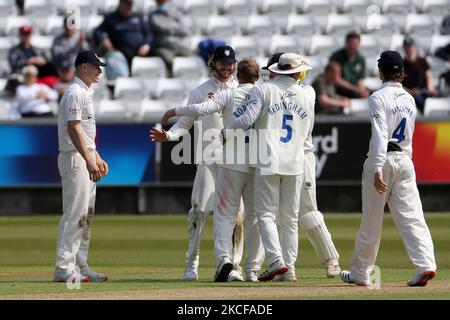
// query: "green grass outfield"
[[144, 258]]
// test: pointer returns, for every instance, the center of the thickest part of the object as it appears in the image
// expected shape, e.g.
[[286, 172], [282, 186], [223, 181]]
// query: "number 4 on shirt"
[[399, 132]]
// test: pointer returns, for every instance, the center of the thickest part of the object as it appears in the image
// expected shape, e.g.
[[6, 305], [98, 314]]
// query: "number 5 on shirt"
[[286, 127]]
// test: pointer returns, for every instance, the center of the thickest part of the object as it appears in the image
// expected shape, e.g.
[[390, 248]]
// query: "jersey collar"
[[83, 85], [391, 84], [220, 84]]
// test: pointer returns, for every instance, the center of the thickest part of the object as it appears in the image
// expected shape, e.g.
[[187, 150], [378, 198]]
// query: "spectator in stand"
[[327, 100], [66, 73], [419, 80], [25, 54], [125, 31], [67, 45], [32, 99], [169, 32], [353, 68]]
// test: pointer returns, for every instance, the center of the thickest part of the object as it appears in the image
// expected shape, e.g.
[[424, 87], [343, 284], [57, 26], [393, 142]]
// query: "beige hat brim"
[[274, 68]]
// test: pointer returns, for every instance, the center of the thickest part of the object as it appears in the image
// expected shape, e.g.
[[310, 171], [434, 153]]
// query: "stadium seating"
[[356, 6], [8, 8], [397, 6], [129, 89], [321, 7], [340, 24], [5, 44], [38, 8], [170, 89], [322, 44], [13, 24], [189, 67], [437, 41], [152, 110], [257, 28], [420, 24], [301, 25], [437, 107], [200, 7], [238, 7], [434, 6], [222, 26], [284, 43], [277, 7], [148, 67], [53, 25], [246, 46]]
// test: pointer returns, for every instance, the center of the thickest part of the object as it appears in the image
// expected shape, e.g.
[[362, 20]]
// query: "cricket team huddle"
[[263, 201]]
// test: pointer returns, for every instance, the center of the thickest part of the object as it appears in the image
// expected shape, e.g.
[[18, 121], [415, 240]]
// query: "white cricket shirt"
[[279, 110], [393, 114], [210, 121], [76, 104], [228, 102]]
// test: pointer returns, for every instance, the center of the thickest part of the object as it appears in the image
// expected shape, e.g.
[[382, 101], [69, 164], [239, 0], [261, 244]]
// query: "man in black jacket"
[[126, 31]]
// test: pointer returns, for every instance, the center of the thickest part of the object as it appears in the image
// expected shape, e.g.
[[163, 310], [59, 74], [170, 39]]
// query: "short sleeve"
[[73, 105]]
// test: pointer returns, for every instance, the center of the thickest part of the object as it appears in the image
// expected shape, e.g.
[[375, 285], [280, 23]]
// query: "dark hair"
[[248, 70], [395, 76], [352, 35]]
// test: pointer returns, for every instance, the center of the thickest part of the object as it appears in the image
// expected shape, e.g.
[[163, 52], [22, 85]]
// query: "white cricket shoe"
[[421, 279], [333, 268], [251, 276], [235, 275], [191, 273], [346, 276], [223, 270], [92, 275], [62, 275]]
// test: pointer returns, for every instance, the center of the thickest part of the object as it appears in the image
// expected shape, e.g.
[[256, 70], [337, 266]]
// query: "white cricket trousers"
[[232, 186], [78, 211], [277, 198], [202, 204], [404, 203]]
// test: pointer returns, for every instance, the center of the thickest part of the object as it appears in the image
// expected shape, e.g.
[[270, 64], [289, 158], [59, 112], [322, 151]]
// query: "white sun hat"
[[290, 63]]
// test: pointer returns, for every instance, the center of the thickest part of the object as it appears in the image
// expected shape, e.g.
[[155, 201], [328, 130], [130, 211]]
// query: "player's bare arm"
[[74, 129]]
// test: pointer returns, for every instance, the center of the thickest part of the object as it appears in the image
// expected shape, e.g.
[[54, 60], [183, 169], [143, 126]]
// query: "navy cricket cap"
[[225, 54], [88, 56], [275, 58], [390, 62]]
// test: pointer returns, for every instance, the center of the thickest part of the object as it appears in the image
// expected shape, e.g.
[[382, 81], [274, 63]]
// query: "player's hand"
[[94, 170], [104, 168], [158, 135], [379, 183], [169, 114]]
